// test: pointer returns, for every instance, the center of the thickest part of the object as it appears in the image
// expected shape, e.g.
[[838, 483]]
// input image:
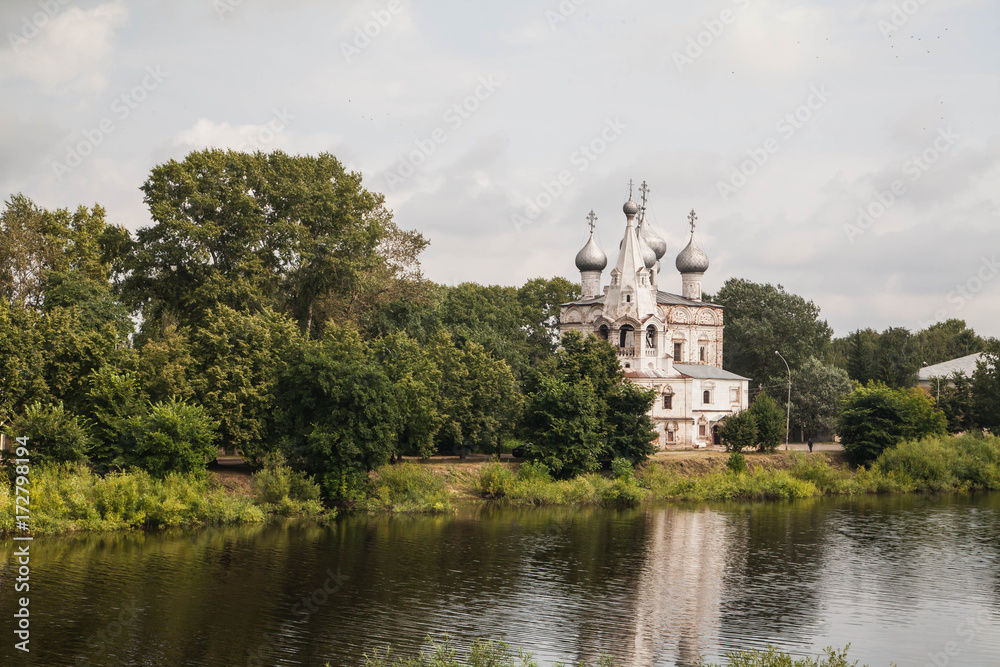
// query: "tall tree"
[[944, 341], [763, 318], [817, 390]]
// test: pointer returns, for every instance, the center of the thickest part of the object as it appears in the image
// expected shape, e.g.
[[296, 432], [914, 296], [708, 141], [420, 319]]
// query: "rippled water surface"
[[904, 579]]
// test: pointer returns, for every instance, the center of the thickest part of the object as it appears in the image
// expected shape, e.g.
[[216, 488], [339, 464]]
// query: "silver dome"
[[591, 257], [653, 239], [630, 208], [648, 254], [692, 259]]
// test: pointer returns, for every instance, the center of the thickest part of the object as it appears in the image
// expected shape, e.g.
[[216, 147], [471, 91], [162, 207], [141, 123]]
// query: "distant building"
[[666, 342], [929, 376]]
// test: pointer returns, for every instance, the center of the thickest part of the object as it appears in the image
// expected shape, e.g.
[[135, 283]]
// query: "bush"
[[622, 469], [738, 431], [770, 421], [172, 436], [772, 658], [496, 480], [284, 490], [876, 418], [54, 435], [945, 463], [408, 487], [736, 462]]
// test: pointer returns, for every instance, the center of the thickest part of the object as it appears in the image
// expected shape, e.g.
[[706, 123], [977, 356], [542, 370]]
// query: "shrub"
[[738, 431], [286, 491], [408, 487], [876, 417], [945, 463], [770, 421], [736, 462], [172, 436], [54, 435], [495, 480], [773, 658], [622, 469]]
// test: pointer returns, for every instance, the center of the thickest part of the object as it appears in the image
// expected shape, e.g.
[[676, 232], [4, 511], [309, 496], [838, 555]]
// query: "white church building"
[[670, 343]]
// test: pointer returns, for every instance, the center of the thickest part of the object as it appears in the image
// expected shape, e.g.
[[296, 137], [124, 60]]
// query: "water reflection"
[[898, 577]]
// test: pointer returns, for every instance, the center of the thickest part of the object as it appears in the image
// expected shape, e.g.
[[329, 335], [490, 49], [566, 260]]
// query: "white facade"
[[666, 342]]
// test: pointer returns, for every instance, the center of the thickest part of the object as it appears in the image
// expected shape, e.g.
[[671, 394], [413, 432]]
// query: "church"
[[670, 343]]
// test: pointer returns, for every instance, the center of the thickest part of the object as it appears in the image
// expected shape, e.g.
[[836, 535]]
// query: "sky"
[[848, 151]]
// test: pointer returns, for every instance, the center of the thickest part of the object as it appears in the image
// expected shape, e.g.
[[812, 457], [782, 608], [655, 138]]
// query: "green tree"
[[861, 355], [172, 436], [897, 361], [944, 341], [986, 388], [770, 420], [763, 318], [582, 411], [55, 434], [113, 399], [876, 417], [816, 392], [957, 400], [738, 431], [417, 386]]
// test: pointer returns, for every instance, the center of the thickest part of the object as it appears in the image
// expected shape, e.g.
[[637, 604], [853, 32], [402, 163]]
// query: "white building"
[[666, 342]]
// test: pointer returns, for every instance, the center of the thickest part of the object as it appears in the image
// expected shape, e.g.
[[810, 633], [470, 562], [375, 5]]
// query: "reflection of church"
[[666, 342]]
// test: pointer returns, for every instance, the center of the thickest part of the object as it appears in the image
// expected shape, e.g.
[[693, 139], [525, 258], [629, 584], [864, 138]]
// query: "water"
[[905, 579]]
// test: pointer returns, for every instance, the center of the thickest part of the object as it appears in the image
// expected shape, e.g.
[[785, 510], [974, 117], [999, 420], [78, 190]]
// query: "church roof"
[[966, 365], [662, 298], [706, 372]]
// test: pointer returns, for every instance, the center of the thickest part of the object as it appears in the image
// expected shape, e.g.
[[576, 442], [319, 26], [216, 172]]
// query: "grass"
[[407, 488], [532, 484]]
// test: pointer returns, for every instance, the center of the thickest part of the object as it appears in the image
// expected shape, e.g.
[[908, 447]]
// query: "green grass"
[[70, 497], [533, 485], [407, 488]]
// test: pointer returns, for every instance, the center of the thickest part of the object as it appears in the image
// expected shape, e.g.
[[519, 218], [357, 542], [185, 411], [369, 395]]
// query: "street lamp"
[[938, 378], [788, 405]]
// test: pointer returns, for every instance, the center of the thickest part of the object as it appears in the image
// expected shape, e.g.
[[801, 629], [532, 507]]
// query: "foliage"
[[172, 436], [418, 386], [763, 318], [581, 411], [285, 491], [770, 421], [986, 388], [771, 657], [816, 392], [736, 462], [876, 417], [533, 485], [622, 469], [55, 435], [408, 487], [113, 400], [71, 497], [738, 431], [947, 340], [945, 463], [757, 484]]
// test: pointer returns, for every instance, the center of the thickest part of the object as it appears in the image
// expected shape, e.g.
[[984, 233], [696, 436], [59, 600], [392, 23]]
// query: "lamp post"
[[938, 397], [788, 405]]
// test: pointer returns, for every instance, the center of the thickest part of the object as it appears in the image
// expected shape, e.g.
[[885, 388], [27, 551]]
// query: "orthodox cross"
[[691, 218], [644, 189], [593, 218], [630, 183]]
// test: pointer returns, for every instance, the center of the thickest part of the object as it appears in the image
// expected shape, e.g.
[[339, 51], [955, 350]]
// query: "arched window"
[[706, 397], [651, 338], [603, 332], [626, 336]]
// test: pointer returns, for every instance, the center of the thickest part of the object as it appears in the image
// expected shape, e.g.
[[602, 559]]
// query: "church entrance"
[[716, 440]]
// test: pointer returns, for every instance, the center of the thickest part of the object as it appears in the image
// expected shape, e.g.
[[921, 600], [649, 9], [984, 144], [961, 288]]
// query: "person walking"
[[810, 445]]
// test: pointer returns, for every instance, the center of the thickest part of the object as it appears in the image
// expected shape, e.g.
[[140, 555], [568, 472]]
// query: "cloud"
[[64, 47]]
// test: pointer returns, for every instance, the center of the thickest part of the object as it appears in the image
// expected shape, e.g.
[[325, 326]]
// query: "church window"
[[701, 353], [677, 352], [668, 401], [603, 331], [734, 394], [706, 398], [628, 298], [670, 436], [701, 428]]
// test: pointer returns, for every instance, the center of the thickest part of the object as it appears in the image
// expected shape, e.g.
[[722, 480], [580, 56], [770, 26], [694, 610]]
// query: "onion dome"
[[648, 254], [653, 239], [591, 257], [692, 259], [630, 208]]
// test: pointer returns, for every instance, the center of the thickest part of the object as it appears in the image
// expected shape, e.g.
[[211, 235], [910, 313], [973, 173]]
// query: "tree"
[[816, 392], [56, 435], [876, 417], [958, 402], [738, 431], [417, 385], [299, 235], [986, 388], [540, 299], [944, 341], [770, 421], [861, 355], [897, 362], [763, 318], [172, 436], [581, 410]]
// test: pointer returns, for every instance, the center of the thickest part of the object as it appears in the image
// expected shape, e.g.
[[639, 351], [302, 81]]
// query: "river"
[[909, 579]]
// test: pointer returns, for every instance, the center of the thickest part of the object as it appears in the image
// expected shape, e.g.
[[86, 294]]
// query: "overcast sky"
[[494, 128]]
